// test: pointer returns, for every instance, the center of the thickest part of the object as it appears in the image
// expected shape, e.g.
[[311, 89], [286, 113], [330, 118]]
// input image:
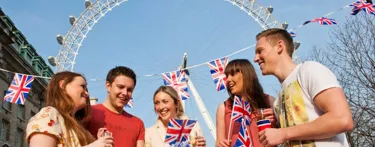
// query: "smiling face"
[[165, 106], [120, 91], [76, 90], [273, 47], [266, 56], [235, 83]]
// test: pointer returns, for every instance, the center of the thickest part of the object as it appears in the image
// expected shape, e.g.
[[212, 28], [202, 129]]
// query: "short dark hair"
[[121, 70], [275, 34]]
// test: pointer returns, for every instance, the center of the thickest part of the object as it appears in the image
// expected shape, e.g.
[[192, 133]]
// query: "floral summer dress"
[[50, 121]]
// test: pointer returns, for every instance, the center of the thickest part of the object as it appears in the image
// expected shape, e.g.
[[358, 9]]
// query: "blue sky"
[[152, 36]]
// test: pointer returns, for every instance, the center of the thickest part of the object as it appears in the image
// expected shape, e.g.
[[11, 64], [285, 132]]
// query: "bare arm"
[[336, 119], [221, 139], [140, 143], [42, 140], [220, 126]]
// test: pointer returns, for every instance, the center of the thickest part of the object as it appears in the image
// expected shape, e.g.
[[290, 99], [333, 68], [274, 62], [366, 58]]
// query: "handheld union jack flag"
[[182, 144], [130, 104], [19, 88], [322, 21], [178, 131], [217, 68], [177, 80], [243, 139], [362, 5], [241, 110], [293, 34]]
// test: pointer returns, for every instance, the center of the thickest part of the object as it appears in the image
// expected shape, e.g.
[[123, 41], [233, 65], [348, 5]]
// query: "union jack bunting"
[[178, 131], [217, 68], [362, 5], [19, 88], [322, 21], [241, 110], [243, 139], [130, 104], [293, 34], [177, 80]]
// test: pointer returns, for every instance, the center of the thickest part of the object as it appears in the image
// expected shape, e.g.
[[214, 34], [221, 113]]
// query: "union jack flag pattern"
[[182, 144], [322, 21], [263, 124], [130, 104], [217, 68], [19, 88], [362, 5], [293, 34], [243, 138], [177, 80], [178, 131], [241, 110]]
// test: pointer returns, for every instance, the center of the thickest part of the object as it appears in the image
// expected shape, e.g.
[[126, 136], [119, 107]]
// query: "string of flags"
[[130, 104], [35, 76], [217, 68], [18, 91], [358, 6], [322, 21], [367, 7], [177, 79], [293, 34]]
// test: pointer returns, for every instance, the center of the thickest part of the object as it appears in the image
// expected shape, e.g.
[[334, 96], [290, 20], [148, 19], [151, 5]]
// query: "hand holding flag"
[[178, 131]]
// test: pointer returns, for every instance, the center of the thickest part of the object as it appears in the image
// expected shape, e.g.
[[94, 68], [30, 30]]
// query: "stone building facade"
[[18, 55]]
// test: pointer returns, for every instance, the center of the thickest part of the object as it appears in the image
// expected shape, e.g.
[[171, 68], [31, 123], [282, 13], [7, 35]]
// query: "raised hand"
[[105, 141], [200, 141], [269, 114], [271, 137]]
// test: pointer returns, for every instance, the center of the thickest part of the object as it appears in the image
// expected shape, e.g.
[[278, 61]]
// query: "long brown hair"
[[58, 98], [252, 89], [176, 99], [83, 116]]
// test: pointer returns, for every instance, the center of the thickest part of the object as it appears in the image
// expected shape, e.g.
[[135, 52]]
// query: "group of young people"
[[69, 120], [311, 110]]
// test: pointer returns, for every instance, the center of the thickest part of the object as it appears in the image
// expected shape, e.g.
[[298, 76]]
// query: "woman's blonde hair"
[[176, 99]]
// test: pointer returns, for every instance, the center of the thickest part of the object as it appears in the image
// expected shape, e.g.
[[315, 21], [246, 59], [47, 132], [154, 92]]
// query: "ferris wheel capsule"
[[60, 39], [87, 3], [72, 19], [52, 60], [284, 25], [296, 45]]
